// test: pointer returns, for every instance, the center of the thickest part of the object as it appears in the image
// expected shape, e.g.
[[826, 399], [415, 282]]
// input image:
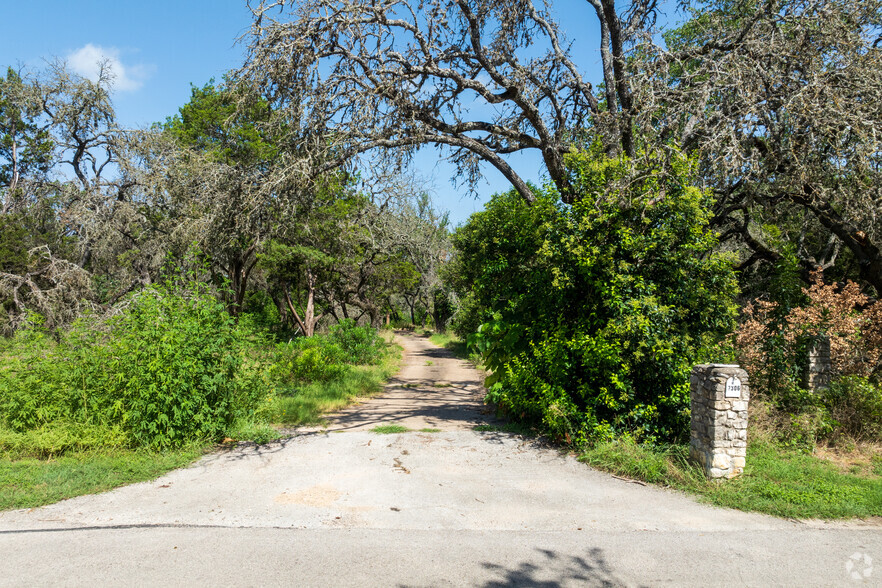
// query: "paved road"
[[345, 506]]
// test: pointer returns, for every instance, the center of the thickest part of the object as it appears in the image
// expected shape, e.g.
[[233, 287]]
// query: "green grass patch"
[[389, 429], [778, 481], [28, 483], [306, 403], [430, 430]]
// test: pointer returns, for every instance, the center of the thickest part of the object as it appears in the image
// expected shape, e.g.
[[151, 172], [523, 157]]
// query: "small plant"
[[389, 429], [429, 362]]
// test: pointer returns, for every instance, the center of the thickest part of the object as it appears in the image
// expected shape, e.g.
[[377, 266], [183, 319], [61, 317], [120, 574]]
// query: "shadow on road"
[[551, 569]]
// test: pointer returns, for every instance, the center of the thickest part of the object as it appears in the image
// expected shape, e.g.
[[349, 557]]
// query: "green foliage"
[[310, 359], [594, 314], [306, 403], [211, 122], [322, 373], [855, 405], [442, 308], [170, 369], [362, 345]]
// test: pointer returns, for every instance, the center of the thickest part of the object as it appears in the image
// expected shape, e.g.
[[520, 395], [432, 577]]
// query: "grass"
[[779, 481], [306, 404], [30, 482], [389, 429], [430, 430]]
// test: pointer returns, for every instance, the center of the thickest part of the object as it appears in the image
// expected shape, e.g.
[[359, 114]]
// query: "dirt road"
[[341, 505]]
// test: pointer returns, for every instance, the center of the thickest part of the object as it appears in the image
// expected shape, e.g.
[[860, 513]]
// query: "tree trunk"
[[311, 318], [293, 310]]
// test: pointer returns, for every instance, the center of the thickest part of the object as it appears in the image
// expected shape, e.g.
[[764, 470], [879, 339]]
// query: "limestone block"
[[721, 461]]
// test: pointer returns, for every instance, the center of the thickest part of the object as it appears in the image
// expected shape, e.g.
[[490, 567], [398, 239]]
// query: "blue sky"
[[160, 47]]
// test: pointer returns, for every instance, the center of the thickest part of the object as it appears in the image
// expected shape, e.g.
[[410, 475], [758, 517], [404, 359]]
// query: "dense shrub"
[[773, 345], [855, 407], [362, 345], [324, 358], [773, 342], [169, 369], [593, 314], [309, 359]]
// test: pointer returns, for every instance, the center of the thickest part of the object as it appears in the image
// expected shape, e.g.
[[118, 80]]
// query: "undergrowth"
[[455, 345], [127, 399]]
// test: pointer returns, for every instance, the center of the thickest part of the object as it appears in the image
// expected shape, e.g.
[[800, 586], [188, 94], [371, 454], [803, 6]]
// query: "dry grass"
[[857, 458]]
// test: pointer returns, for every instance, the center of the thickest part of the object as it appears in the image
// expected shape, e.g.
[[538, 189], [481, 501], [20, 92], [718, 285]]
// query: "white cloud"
[[86, 61]]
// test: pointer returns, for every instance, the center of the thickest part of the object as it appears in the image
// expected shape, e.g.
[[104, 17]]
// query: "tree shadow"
[[551, 569], [437, 403]]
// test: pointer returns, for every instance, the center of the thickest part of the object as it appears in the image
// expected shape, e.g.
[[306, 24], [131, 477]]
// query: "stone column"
[[719, 395], [819, 370]]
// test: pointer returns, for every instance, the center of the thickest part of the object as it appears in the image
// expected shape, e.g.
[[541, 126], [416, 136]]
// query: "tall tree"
[[25, 147], [482, 78], [227, 156]]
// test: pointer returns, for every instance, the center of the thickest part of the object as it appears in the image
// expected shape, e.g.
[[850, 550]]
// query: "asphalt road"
[[342, 506]]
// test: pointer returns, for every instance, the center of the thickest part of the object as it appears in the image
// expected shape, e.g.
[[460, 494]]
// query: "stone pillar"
[[819, 371], [719, 395]]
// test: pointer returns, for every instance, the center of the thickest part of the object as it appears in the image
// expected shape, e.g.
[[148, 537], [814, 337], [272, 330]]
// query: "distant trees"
[[91, 212], [226, 157], [482, 78]]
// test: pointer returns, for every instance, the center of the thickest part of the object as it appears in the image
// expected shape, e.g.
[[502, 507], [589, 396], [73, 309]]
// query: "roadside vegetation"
[[124, 399], [778, 480], [455, 345]]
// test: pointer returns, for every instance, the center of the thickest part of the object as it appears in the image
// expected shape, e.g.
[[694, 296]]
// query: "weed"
[[305, 403], [389, 429], [877, 465]]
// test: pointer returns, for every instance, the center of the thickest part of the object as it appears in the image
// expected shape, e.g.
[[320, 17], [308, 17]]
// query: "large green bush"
[[171, 368], [593, 314], [362, 345]]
